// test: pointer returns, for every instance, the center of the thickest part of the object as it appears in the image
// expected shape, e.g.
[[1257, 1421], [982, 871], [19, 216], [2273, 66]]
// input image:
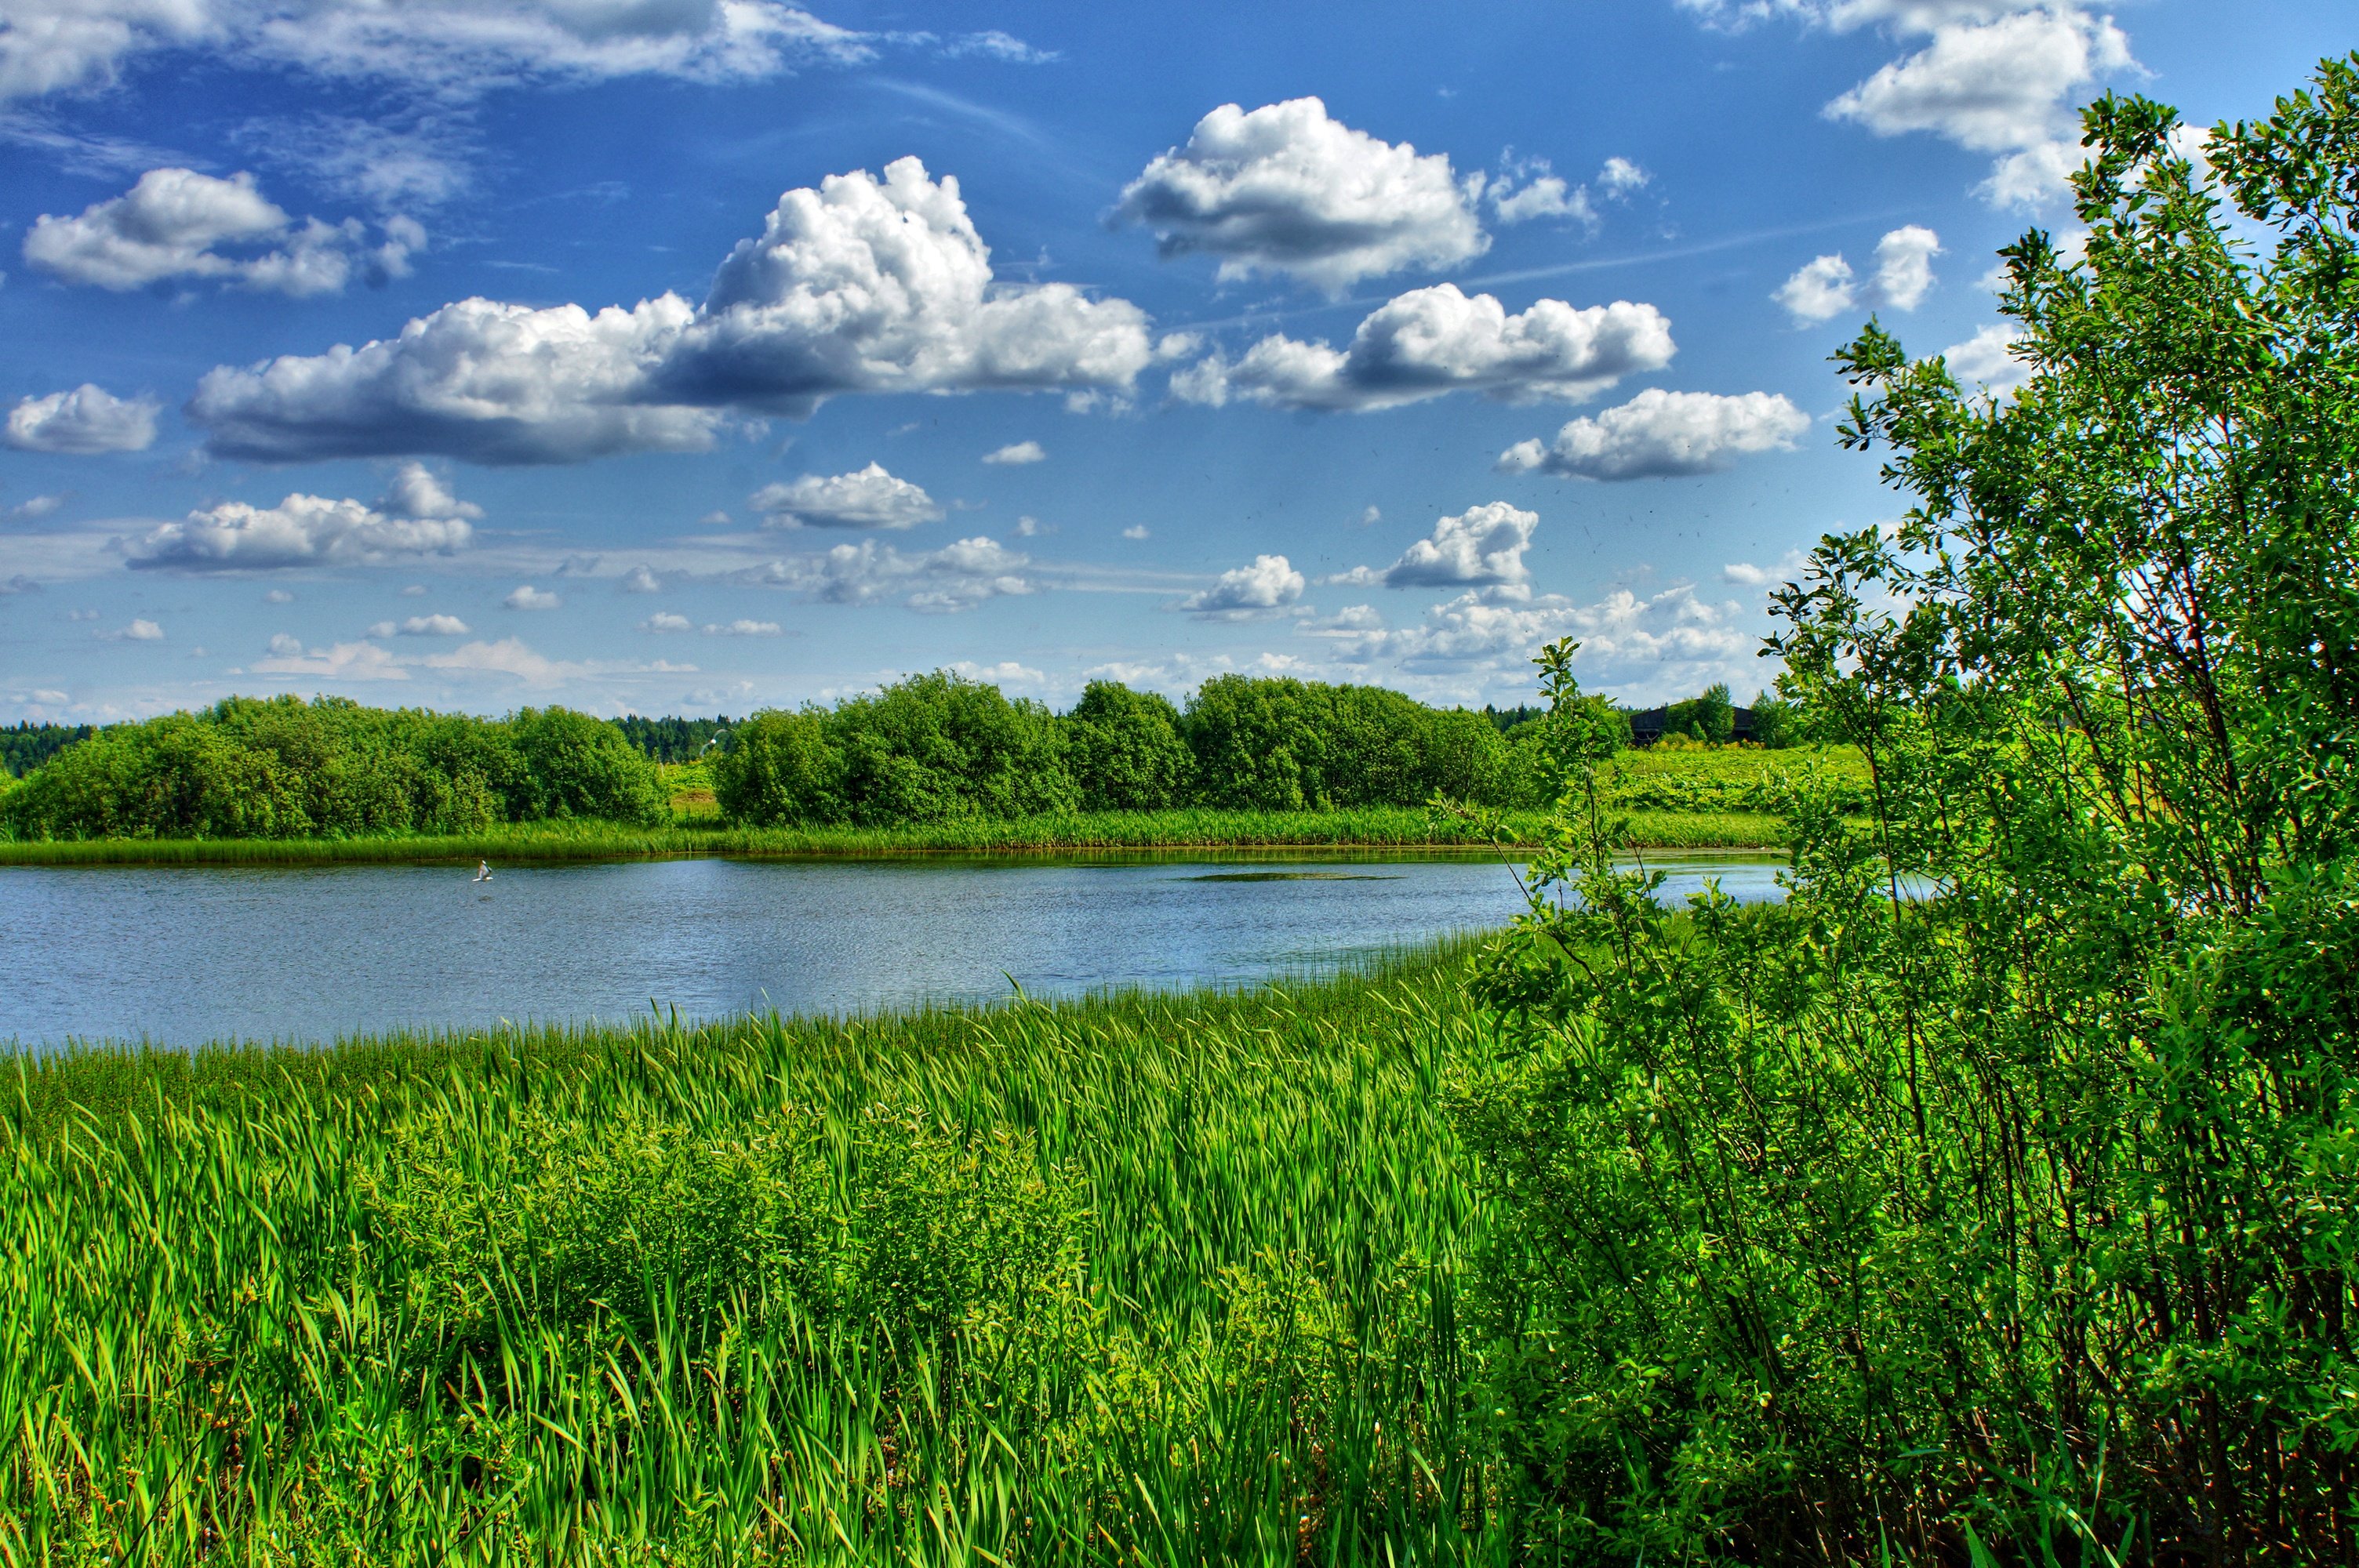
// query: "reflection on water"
[[187, 954]]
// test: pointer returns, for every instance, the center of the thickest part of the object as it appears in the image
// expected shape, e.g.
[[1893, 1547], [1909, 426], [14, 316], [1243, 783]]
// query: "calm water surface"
[[183, 955]]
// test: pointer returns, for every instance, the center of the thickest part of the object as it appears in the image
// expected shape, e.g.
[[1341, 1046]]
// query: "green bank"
[[1397, 829], [1143, 1278]]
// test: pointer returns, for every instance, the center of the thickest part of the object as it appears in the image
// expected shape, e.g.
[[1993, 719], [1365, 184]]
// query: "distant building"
[[1646, 727]]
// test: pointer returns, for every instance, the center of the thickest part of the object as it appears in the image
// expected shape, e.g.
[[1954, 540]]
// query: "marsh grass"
[[1187, 829], [1138, 1277]]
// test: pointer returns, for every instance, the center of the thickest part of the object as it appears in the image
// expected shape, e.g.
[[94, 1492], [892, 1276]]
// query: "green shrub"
[[940, 747], [1124, 750], [1255, 745], [1992, 1200], [779, 768], [285, 768]]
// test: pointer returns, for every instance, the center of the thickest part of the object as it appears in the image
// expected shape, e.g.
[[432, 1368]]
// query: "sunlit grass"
[[1140, 1278], [1381, 828]]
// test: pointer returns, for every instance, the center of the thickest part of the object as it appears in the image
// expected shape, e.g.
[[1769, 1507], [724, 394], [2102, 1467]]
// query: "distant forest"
[[673, 739], [26, 746]]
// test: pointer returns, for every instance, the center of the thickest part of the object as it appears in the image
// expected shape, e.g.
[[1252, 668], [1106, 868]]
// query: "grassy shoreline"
[[1387, 830], [1065, 1283]]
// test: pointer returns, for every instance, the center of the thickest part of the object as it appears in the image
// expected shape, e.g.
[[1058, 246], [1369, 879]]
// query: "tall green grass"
[[1138, 1279], [1188, 828]]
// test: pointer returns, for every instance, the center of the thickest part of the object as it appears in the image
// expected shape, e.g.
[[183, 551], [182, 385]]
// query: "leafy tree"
[[1124, 750], [1255, 744], [1533, 773], [1773, 722], [1371, 744], [779, 767], [1466, 758], [581, 766], [939, 747], [1991, 1200]]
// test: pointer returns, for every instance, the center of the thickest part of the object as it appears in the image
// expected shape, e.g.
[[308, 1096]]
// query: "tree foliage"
[[25, 745], [940, 747], [673, 740], [1995, 1197], [282, 767], [1125, 749]]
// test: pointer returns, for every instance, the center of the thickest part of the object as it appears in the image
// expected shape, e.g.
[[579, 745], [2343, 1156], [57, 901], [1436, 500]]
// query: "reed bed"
[[1136, 1279], [1189, 828]]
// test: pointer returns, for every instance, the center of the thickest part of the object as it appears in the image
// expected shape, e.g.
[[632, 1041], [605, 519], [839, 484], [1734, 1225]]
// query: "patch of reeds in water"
[[1138, 1277]]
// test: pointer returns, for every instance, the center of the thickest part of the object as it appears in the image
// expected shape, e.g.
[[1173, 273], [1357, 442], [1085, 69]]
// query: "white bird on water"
[[483, 870]]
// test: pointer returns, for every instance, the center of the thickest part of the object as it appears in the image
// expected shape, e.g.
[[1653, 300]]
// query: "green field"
[[1141, 1279]]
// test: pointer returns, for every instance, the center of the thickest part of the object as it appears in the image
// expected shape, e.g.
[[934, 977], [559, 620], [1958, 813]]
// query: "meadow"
[[1140, 1278]]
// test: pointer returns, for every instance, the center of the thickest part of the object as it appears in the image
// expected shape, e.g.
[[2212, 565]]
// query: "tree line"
[[933, 748], [285, 768], [938, 748], [673, 739], [25, 745]]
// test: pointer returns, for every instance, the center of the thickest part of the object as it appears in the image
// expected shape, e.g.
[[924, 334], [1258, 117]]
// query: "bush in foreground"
[[1994, 1200]]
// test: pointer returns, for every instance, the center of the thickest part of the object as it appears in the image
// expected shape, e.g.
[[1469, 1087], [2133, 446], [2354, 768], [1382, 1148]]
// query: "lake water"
[[182, 955]]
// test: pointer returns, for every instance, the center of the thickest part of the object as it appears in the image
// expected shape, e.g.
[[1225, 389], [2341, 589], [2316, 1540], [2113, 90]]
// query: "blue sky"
[[701, 355]]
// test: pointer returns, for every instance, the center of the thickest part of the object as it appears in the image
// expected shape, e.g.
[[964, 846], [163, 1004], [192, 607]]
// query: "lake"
[[185, 954]]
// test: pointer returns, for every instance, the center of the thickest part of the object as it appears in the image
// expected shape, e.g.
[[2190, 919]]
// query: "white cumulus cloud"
[[86, 420], [1270, 583], [1987, 360], [177, 223], [1016, 452], [1826, 287], [1786, 568], [1431, 341], [1904, 265], [1007, 672], [865, 498], [139, 630], [1660, 434], [665, 621], [1620, 177], [416, 492], [639, 580], [1288, 188], [860, 285], [300, 531], [1819, 289], [1529, 190], [1995, 84], [1481, 546], [743, 627], [957, 577], [341, 661], [524, 596], [1671, 642]]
